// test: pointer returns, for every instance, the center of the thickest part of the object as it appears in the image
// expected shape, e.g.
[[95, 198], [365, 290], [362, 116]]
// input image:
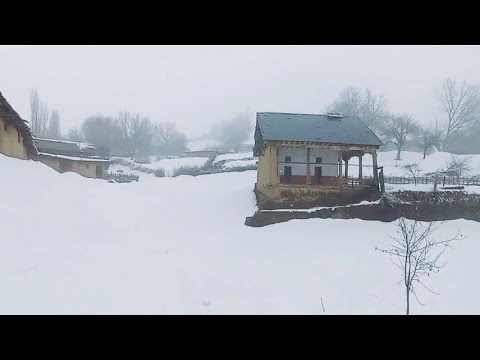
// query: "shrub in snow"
[[457, 165], [145, 160], [208, 165], [189, 170], [159, 172], [241, 168], [388, 200], [414, 170]]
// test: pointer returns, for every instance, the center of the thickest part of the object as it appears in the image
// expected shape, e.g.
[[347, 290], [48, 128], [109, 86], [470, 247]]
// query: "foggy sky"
[[198, 86]]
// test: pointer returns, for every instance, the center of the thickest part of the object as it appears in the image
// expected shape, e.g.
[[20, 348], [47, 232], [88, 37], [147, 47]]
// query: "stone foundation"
[[282, 196]]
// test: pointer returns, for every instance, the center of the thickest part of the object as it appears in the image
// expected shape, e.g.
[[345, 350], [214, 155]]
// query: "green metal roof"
[[313, 128]]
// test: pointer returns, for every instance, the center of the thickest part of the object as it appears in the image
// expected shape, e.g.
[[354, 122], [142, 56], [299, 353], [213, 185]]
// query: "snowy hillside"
[[173, 245]]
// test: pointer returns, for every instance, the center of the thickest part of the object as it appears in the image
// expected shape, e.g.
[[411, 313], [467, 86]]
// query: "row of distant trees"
[[456, 131], [137, 136], [133, 134], [43, 122]]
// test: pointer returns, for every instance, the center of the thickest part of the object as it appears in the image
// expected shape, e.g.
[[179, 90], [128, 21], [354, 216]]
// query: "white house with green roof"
[[304, 159]]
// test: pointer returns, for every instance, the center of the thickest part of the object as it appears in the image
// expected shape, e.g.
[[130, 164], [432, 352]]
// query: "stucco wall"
[[84, 168], [297, 155], [329, 159], [267, 173], [11, 142]]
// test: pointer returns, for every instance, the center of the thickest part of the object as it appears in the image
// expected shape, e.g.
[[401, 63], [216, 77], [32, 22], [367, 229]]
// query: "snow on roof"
[[74, 158], [81, 145]]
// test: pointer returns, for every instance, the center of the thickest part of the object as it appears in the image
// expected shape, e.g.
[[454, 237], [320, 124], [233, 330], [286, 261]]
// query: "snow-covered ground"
[[232, 160], [392, 167], [75, 245], [169, 165]]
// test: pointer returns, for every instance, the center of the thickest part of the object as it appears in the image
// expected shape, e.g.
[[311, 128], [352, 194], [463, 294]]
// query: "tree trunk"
[[408, 301], [424, 153], [399, 150]]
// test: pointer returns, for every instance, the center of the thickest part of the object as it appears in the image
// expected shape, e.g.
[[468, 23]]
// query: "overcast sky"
[[197, 86]]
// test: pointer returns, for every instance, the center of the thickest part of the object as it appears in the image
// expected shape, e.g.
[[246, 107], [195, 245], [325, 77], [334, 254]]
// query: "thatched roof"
[[11, 117]]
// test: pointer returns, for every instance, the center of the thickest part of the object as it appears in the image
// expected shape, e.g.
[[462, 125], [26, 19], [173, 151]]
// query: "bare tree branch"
[[461, 105], [416, 253]]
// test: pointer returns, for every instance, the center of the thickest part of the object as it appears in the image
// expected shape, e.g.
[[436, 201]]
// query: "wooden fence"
[[445, 180]]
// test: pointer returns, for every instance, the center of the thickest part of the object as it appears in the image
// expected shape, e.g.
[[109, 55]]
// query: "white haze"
[[199, 86]]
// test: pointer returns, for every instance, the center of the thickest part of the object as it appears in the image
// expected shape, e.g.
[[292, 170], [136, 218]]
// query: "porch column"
[[360, 157], [340, 171], [346, 169], [375, 170], [277, 175], [309, 178]]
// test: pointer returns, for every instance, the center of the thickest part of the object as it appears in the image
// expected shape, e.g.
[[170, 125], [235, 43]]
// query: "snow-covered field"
[[392, 167], [171, 246], [232, 160], [169, 165]]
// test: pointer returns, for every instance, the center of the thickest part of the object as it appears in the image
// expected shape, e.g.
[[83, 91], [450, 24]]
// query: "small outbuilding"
[[82, 158]]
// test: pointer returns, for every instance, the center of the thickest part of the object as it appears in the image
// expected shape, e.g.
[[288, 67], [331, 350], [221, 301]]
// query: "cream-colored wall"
[[9, 142], [267, 167], [84, 168]]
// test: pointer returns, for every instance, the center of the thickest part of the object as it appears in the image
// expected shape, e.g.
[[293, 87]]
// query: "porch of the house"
[[327, 167]]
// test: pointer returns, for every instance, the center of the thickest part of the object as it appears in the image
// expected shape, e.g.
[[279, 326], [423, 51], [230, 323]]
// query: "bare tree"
[[167, 139], [232, 133], [368, 107], [425, 139], [414, 170], [457, 165], [42, 120], [397, 129], [373, 109], [437, 180], [166, 131], [437, 135], [136, 131], [349, 102], [38, 114], [74, 134], [54, 126], [461, 105], [416, 253], [34, 110]]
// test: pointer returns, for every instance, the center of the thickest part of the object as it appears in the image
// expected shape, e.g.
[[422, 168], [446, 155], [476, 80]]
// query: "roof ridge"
[[286, 113]]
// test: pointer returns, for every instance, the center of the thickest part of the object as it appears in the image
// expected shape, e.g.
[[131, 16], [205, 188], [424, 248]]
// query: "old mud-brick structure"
[[304, 160], [15, 136], [82, 158]]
